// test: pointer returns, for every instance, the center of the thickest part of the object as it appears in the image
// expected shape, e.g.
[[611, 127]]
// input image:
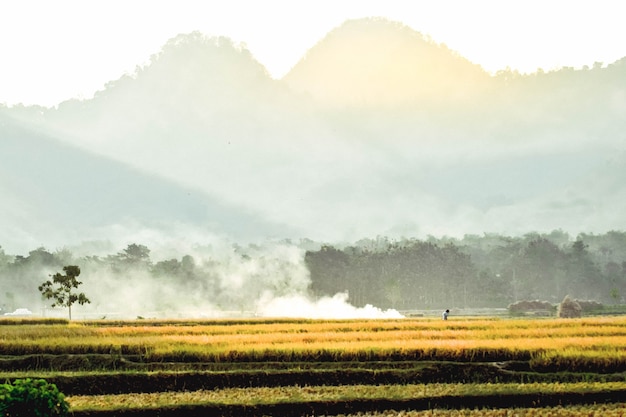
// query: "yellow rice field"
[[606, 335], [603, 338], [594, 344]]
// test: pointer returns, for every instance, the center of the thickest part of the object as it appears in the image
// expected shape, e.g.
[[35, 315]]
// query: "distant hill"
[[376, 131], [53, 191], [203, 113], [194, 83], [373, 62]]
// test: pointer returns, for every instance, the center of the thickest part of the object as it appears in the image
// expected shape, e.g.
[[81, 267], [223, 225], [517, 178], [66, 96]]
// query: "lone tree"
[[61, 289]]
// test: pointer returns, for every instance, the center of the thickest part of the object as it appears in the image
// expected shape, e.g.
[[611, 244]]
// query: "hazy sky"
[[55, 50]]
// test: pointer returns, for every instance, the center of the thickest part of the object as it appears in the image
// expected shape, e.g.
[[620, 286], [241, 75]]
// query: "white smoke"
[[268, 279], [335, 307]]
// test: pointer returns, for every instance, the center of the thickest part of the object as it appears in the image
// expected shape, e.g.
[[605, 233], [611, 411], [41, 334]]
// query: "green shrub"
[[32, 398]]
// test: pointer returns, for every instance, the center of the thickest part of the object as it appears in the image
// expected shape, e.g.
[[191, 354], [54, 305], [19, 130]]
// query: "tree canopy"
[[62, 289]]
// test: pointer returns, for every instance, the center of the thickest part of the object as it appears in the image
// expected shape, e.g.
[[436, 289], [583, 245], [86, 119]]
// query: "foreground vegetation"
[[300, 367]]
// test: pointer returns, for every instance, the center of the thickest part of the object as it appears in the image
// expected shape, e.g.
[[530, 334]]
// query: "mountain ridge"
[[204, 125], [375, 61]]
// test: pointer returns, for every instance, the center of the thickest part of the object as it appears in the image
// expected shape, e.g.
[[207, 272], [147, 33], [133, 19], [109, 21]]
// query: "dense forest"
[[475, 271]]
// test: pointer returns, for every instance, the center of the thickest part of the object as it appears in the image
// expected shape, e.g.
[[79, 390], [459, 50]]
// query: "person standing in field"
[[445, 314]]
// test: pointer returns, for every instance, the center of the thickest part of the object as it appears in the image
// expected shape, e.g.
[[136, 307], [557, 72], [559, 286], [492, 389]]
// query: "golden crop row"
[[485, 327], [603, 339], [267, 395], [481, 328]]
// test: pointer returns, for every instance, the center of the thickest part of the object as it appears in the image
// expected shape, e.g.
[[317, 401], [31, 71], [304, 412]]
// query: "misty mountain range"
[[376, 131]]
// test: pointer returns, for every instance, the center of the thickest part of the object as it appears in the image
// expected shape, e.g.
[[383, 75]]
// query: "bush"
[[32, 398]]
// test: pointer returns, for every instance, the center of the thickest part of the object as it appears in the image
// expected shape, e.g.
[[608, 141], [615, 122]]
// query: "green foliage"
[[476, 271], [61, 289], [402, 275], [489, 270], [134, 256], [32, 398]]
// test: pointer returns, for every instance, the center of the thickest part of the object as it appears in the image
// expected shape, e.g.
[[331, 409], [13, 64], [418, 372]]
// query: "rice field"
[[417, 365], [597, 410]]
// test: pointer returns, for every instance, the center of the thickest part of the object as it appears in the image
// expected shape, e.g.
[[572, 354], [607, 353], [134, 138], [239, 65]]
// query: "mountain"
[[377, 131], [203, 113], [374, 62], [53, 192]]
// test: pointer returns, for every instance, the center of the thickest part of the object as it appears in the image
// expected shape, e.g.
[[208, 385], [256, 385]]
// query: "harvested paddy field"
[[322, 367]]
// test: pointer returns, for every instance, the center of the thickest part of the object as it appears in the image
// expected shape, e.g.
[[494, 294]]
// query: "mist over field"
[[377, 131]]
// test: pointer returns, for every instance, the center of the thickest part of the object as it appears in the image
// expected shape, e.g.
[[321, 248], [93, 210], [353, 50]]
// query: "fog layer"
[[376, 131]]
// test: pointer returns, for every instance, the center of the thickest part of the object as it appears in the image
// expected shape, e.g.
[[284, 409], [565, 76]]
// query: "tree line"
[[228, 278], [475, 271], [487, 270]]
